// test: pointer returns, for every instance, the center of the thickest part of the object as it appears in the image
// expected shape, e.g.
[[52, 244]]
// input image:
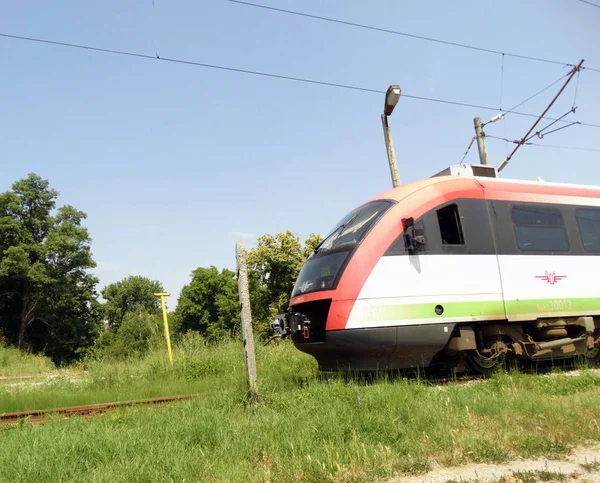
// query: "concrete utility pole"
[[391, 99], [391, 154], [480, 136], [246, 315]]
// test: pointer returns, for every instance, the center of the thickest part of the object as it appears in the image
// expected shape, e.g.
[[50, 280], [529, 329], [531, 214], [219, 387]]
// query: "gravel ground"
[[582, 466]]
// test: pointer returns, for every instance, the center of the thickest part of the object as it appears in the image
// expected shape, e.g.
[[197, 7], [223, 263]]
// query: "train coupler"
[[291, 323]]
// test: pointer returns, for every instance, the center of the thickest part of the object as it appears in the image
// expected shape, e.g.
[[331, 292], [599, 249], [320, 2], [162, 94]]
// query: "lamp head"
[[391, 99]]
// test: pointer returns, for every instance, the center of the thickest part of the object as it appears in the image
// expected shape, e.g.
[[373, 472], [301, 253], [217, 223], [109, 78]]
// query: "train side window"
[[588, 221], [450, 226], [539, 229]]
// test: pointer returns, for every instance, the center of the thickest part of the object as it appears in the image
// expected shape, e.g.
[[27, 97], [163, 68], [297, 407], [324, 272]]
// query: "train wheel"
[[482, 365], [592, 356]]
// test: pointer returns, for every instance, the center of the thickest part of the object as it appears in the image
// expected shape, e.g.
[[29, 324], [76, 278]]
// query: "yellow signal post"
[[162, 296]]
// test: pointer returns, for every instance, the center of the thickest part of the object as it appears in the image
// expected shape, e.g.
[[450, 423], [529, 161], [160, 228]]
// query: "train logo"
[[551, 277]]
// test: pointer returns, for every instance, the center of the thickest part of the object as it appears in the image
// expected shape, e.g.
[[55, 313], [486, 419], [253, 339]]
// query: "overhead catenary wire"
[[264, 74], [576, 89], [406, 34], [572, 73], [590, 3], [517, 141], [537, 93]]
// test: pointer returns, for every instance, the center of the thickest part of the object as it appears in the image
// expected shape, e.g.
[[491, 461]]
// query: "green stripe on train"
[[516, 307], [475, 309], [427, 311]]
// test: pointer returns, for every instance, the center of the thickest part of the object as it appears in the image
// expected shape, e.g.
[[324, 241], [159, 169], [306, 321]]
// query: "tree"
[[209, 304], [273, 267], [132, 294], [44, 258], [133, 337]]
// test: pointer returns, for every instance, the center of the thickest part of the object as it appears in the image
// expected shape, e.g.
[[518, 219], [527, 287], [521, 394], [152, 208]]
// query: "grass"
[[304, 427], [13, 363], [197, 369], [540, 475], [593, 466]]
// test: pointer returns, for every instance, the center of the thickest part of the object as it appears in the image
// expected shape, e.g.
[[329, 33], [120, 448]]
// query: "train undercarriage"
[[478, 347], [483, 347]]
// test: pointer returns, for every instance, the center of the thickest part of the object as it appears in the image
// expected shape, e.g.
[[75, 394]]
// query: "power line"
[[406, 34], [590, 3], [572, 73], [517, 141], [538, 93], [266, 74]]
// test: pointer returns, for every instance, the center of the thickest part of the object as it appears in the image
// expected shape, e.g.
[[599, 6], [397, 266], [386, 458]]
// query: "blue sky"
[[173, 163]]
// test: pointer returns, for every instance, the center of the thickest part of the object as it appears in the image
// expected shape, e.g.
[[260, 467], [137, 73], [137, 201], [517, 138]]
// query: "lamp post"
[[162, 296], [391, 99]]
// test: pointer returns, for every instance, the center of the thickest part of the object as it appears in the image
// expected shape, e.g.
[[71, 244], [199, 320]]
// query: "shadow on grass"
[[437, 375]]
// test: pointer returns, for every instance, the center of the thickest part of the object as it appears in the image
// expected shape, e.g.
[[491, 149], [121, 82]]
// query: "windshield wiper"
[[332, 233], [336, 233]]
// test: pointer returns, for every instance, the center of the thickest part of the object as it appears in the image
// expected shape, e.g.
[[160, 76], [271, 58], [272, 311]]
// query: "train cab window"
[[539, 229], [588, 220], [450, 226]]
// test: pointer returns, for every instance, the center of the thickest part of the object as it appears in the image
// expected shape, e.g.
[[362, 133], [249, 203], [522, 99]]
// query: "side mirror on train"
[[409, 234], [412, 242]]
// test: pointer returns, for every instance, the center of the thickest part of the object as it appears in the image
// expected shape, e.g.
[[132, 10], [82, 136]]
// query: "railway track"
[[41, 415]]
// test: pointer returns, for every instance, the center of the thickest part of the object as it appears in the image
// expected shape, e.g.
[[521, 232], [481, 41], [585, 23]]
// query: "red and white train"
[[462, 266]]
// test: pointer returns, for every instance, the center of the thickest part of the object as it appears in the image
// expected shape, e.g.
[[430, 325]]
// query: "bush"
[[133, 337]]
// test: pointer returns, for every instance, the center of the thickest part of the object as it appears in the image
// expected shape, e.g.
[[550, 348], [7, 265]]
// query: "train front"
[[328, 286]]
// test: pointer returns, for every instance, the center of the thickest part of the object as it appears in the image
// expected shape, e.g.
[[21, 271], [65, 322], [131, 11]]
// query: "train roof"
[[448, 182]]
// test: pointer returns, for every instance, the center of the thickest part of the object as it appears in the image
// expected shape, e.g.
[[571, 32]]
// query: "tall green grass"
[[198, 368], [303, 427], [14, 362]]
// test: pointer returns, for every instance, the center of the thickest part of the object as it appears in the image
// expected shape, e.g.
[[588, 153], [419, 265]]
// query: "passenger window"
[[539, 229], [588, 221], [450, 226]]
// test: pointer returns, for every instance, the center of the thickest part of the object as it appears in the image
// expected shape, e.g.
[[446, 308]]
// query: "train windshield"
[[322, 270], [352, 228]]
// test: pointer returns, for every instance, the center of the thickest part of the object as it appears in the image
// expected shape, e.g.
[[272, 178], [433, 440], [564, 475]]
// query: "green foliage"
[[273, 268], [133, 337], [14, 362], [209, 304], [47, 295], [132, 294]]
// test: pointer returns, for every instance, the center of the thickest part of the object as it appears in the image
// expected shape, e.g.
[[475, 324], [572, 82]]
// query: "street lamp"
[[391, 99]]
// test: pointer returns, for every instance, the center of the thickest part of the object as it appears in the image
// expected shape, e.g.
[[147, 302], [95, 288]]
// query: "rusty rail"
[[38, 415]]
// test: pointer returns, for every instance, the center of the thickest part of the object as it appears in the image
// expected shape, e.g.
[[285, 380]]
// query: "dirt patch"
[[582, 466]]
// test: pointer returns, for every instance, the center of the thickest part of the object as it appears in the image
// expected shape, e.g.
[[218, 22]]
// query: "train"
[[463, 269]]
